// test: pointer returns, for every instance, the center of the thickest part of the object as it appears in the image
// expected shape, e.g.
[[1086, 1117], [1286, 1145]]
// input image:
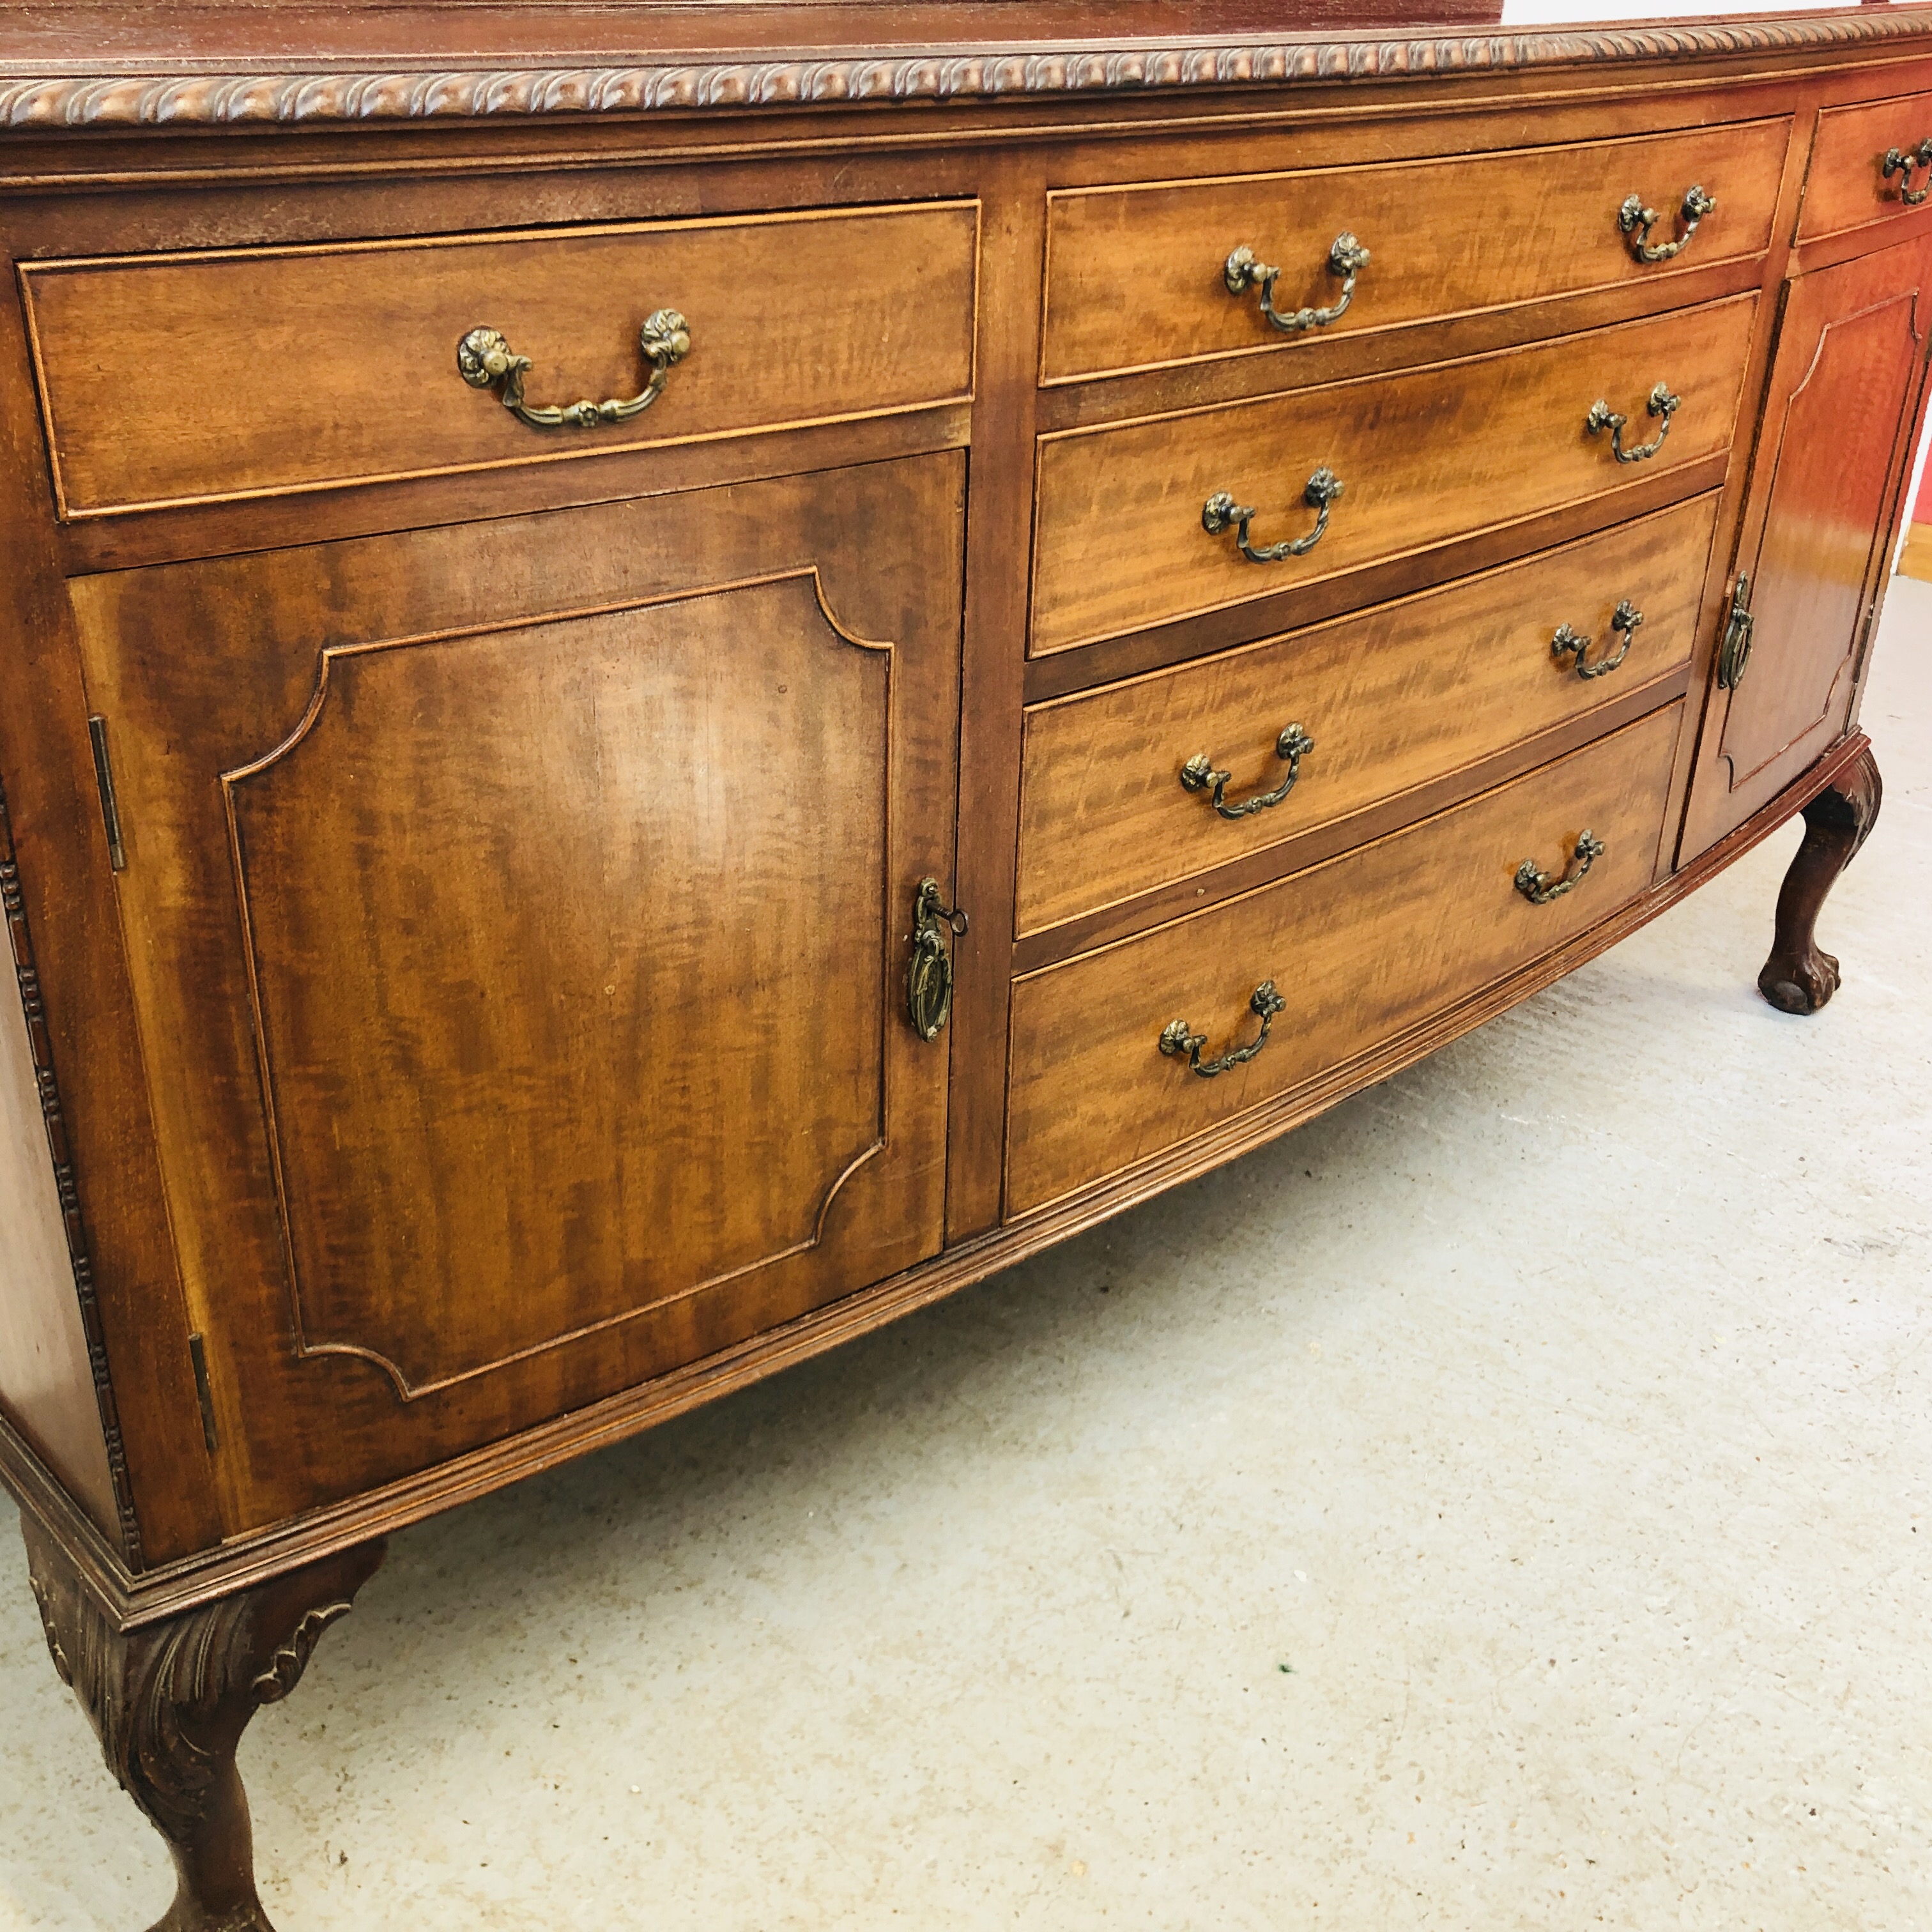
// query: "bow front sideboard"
[[673, 679]]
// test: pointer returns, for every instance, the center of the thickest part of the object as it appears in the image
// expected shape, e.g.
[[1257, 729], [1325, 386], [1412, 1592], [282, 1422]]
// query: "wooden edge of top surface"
[[86, 67]]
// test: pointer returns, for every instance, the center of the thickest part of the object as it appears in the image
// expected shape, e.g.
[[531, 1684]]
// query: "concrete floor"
[[1502, 1503]]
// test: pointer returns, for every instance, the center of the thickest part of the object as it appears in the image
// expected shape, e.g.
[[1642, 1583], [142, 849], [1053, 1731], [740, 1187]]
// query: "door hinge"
[[110, 809], [1734, 654], [198, 1355]]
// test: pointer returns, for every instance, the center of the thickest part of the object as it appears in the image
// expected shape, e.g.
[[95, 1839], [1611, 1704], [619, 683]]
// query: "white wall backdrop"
[[1533, 13]]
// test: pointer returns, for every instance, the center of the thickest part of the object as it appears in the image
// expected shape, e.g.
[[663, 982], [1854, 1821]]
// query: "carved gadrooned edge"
[[13, 905], [134, 100]]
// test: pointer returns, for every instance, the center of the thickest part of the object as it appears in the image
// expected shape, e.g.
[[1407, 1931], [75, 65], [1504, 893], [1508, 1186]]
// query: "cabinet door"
[[1832, 459], [519, 913]]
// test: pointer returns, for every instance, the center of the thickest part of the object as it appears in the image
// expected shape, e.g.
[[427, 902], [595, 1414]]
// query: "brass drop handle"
[[1900, 161], [1603, 417], [1539, 888], [1734, 654], [1243, 271], [1221, 513], [929, 970], [483, 359], [1636, 221], [1625, 618], [1177, 1039], [1199, 774]]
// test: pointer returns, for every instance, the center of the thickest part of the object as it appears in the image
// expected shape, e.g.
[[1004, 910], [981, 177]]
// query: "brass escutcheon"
[[929, 970], [1734, 654]]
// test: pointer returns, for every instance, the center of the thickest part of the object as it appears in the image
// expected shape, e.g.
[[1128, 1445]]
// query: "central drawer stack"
[[1353, 693]]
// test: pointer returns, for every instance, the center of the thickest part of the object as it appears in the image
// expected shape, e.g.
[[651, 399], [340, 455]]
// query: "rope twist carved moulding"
[[132, 100]]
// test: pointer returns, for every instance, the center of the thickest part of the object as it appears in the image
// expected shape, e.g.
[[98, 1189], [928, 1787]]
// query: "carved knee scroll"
[[169, 1702], [1798, 978]]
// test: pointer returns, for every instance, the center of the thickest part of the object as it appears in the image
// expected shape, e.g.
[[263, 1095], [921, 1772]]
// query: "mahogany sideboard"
[[672, 679]]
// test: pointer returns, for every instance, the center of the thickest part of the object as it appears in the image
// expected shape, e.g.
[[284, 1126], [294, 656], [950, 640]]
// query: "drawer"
[[296, 369], [1124, 535], [1137, 275], [1361, 949], [1846, 184], [1392, 698]]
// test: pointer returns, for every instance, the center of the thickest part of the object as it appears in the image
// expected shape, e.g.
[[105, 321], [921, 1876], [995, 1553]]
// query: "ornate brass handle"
[[1636, 221], [1176, 1038], [1243, 271], [1198, 774], [1603, 417], [1734, 655], [1539, 888], [1900, 161], [1221, 512], [483, 359], [1625, 618], [929, 970]]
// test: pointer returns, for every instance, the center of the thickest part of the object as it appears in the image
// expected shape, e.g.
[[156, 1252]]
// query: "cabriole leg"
[[1798, 978], [169, 1702]]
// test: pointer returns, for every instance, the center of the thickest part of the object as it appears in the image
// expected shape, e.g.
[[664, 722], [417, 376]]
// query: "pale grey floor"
[[1503, 1503]]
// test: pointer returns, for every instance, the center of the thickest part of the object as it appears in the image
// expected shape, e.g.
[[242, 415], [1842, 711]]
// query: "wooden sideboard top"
[[115, 65]]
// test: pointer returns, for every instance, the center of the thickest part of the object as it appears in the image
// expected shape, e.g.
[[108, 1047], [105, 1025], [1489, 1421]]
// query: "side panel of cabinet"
[[520, 913], [46, 1377], [1832, 458]]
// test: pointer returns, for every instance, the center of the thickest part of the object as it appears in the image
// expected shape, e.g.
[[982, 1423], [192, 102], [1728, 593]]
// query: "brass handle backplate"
[[1900, 161], [1625, 618], [1347, 259], [1199, 774], [929, 970], [1177, 1039], [1539, 888], [1221, 513], [1602, 417], [483, 359], [1734, 654], [1636, 221]]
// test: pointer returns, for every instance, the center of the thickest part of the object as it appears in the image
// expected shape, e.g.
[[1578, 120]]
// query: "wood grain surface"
[[1827, 487], [549, 885], [1134, 276], [1394, 698], [1845, 186], [297, 369], [1361, 949], [1425, 457]]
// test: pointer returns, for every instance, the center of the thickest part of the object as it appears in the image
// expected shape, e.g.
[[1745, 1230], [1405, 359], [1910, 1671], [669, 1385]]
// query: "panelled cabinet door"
[[520, 914], [1832, 461]]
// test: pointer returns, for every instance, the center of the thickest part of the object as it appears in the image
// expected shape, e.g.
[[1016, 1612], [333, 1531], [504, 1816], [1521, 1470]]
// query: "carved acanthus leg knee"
[[169, 1702], [1798, 978]]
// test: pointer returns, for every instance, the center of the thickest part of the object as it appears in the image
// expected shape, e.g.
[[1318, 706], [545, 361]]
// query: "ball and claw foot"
[[1798, 978], [169, 1701]]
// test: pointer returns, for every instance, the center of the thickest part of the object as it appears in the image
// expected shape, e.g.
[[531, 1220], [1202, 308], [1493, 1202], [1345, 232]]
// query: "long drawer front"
[[1356, 951], [295, 369], [1158, 778], [1139, 276], [1142, 523]]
